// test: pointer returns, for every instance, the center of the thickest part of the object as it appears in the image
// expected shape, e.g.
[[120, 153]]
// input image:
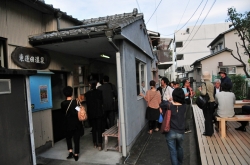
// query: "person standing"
[[208, 88], [166, 90], [175, 136], [109, 94], [73, 125], [225, 79], [188, 112], [153, 99], [95, 113], [166, 96]]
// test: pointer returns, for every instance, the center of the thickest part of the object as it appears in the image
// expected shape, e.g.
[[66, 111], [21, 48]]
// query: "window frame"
[[3, 63], [226, 69], [138, 66]]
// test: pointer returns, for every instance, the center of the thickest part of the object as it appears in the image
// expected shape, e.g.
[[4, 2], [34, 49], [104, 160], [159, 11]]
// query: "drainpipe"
[[120, 97], [59, 15]]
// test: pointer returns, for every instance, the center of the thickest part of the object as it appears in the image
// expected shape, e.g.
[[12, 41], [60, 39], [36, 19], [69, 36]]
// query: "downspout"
[[120, 97], [59, 15]]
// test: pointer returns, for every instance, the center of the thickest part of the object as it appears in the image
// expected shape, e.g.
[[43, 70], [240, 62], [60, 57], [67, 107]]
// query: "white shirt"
[[167, 93], [217, 90]]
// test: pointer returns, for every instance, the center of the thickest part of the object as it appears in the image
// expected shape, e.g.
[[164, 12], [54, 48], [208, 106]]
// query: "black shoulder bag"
[[202, 100]]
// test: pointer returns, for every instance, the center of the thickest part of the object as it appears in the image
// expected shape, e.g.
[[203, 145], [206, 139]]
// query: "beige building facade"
[[220, 58], [191, 44]]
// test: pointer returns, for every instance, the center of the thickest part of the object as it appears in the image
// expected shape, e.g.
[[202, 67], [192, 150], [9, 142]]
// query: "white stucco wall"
[[197, 47]]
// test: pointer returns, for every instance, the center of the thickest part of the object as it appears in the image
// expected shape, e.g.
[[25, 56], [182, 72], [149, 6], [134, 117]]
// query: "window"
[[178, 44], [3, 52], [229, 69], [180, 57], [5, 86], [80, 80], [140, 77]]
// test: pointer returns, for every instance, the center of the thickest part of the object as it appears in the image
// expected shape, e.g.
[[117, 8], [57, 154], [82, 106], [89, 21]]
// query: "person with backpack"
[[208, 88]]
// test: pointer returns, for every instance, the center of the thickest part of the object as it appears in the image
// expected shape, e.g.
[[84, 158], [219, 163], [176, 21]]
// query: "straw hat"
[[206, 75]]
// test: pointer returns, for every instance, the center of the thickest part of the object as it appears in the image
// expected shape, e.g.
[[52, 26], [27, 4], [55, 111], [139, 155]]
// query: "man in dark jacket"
[[109, 94], [225, 79]]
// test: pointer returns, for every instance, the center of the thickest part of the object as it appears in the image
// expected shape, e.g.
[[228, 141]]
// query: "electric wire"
[[182, 15], [154, 11], [201, 22], [194, 26], [138, 6], [186, 22]]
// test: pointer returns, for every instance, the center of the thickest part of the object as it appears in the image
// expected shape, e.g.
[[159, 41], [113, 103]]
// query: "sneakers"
[[156, 129], [243, 129], [187, 131]]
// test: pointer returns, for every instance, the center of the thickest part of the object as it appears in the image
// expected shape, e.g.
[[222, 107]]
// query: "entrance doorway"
[[58, 82]]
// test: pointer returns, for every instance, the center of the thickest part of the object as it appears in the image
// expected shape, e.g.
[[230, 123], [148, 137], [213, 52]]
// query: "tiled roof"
[[219, 36], [211, 55], [113, 22], [117, 20]]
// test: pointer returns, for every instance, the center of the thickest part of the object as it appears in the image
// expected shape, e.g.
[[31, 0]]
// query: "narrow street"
[[155, 151]]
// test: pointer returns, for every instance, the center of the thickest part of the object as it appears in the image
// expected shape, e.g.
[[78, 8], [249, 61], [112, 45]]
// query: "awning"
[[187, 68], [165, 65]]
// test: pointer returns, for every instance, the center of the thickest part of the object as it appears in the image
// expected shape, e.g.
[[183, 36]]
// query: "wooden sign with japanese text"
[[30, 58]]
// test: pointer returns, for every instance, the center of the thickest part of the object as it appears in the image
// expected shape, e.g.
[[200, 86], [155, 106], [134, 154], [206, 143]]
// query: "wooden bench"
[[112, 132], [214, 150], [222, 122]]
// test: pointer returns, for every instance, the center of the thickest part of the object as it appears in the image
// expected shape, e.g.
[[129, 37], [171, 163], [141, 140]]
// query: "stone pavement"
[[147, 150], [153, 150]]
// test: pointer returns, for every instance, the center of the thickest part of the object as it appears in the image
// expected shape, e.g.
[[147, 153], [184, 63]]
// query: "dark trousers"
[[110, 116], [188, 116], [151, 124], [208, 115], [76, 137], [245, 111], [96, 130]]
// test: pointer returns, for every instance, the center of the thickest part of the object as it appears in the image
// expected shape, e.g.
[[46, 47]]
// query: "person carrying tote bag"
[[153, 98], [173, 126]]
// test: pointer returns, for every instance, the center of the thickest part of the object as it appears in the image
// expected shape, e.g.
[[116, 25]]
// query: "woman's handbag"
[[202, 101], [82, 115], [165, 126]]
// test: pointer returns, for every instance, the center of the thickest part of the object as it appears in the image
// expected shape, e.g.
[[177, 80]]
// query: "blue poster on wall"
[[40, 92]]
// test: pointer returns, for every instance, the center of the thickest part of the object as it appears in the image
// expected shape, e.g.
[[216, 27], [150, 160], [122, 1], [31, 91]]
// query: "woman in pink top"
[[153, 111]]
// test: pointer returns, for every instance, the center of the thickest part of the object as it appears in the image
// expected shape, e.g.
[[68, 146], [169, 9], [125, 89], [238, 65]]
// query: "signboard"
[[30, 58], [40, 92]]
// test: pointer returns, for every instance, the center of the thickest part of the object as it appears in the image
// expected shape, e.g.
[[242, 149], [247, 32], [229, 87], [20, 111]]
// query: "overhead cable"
[[138, 6], [154, 11], [194, 25], [182, 15], [186, 22], [202, 22]]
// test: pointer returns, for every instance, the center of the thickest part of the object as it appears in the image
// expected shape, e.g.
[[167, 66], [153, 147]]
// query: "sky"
[[169, 15]]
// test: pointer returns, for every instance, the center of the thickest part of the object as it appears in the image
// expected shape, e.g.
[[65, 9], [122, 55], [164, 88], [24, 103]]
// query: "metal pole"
[[121, 107], [31, 129]]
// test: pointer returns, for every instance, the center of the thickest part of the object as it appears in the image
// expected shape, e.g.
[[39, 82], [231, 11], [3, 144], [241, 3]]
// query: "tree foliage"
[[241, 23], [238, 86]]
